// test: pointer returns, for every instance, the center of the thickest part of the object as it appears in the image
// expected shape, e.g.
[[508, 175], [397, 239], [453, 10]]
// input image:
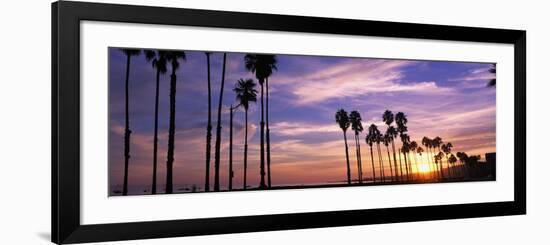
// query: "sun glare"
[[423, 168]]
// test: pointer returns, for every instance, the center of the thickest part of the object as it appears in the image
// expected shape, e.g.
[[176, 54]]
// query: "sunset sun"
[[423, 168]]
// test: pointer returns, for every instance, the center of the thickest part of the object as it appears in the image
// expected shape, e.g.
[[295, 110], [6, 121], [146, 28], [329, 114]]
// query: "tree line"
[[262, 66], [401, 166]]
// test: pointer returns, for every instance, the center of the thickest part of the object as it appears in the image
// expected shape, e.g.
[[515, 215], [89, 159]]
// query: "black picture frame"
[[66, 18]]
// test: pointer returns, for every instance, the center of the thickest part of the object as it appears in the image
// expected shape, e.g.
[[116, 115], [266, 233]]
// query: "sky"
[[440, 98]]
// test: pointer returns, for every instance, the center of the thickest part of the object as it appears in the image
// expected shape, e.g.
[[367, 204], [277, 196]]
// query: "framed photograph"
[[176, 122]]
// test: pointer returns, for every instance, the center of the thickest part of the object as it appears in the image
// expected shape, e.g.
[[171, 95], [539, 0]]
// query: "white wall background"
[[25, 122]]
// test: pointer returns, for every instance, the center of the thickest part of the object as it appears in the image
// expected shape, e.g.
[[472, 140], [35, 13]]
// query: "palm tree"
[[158, 60], [399, 150], [388, 118], [436, 166], [439, 157], [357, 127], [427, 142], [219, 131], [370, 140], [412, 147], [405, 149], [172, 57], [493, 81], [452, 160], [343, 121], [386, 139], [208, 126], [419, 151], [263, 66], [446, 148], [437, 160], [231, 109], [378, 139], [436, 144], [246, 92], [401, 121], [463, 157], [129, 53]]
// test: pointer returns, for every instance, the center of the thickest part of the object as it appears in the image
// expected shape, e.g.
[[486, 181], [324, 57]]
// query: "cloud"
[[475, 78], [296, 128], [355, 78]]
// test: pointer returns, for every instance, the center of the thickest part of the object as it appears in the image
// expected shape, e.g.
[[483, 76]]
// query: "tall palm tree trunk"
[[415, 164], [448, 167], [400, 165], [389, 160], [245, 146], [380, 163], [436, 166], [155, 137], [230, 186], [406, 165], [358, 152], [360, 158], [127, 130], [262, 137], [347, 158], [372, 162], [411, 165], [171, 134], [430, 173], [267, 132], [441, 169], [394, 160], [219, 132], [208, 129]]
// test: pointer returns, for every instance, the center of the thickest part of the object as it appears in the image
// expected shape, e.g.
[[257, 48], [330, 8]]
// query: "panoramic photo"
[[184, 121]]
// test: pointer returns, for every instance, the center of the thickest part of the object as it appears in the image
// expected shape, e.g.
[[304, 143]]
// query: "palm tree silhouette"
[[440, 156], [172, 57], [263, 66], [446, 148], [405, 149], [493, 81], [401, 121], [412, 147], [427, 142], [419, 151], [378, 139], [208, 127], [219, 131], [436, 144], [158, 61], [463, 157], [400, 164], [357, 127], [386, 139], [452, 160], [343, 121], [231, 174], [268, 141], [129, 53], [370, 139], [388, 118], [246, 92], [434, 154]]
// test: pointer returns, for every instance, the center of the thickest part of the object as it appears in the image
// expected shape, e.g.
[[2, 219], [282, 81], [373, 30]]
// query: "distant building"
[[491, 159], [482, 170]]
